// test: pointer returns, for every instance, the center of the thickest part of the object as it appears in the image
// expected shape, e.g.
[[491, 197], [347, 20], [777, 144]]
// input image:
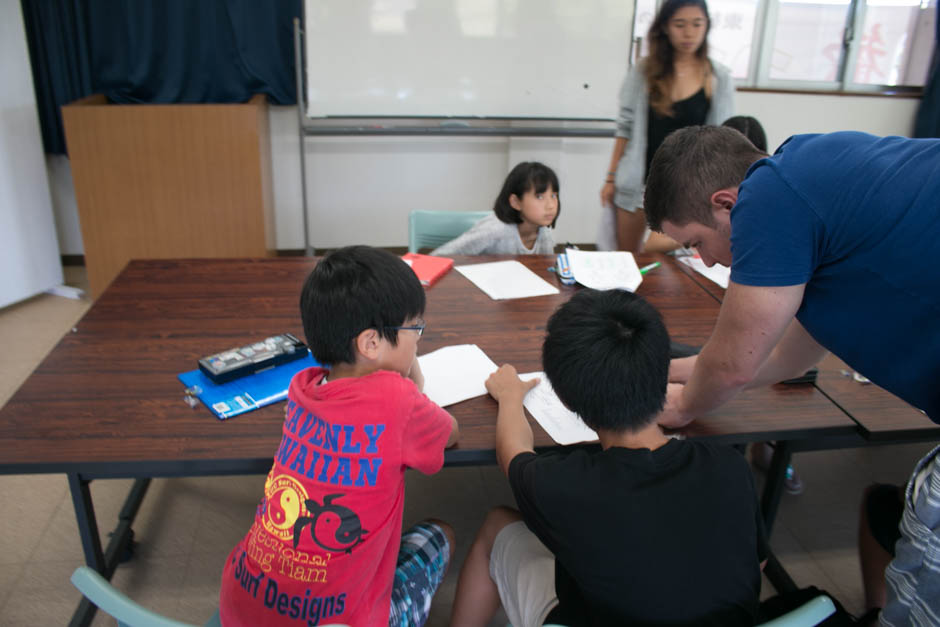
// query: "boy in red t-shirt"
[[325, 546]]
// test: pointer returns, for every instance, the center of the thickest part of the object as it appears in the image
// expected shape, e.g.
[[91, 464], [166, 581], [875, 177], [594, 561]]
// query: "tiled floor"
[[187, 526]]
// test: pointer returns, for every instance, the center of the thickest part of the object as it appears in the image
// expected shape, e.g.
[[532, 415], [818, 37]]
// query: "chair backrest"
[[99, 591], [810, 614], [430, 229], [108, 599]]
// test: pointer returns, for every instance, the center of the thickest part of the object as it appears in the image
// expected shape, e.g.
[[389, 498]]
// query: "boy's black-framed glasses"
[[419, 328]]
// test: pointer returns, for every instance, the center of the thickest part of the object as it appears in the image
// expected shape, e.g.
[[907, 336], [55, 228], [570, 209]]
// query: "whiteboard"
[[562, 59]]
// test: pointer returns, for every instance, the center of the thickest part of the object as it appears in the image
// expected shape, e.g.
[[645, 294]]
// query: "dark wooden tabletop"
[[106, 400], [880, 414]]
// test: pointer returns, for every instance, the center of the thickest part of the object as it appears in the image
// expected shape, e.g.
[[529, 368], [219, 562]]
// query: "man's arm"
[[751, 323], [513, 433], [796, 353]]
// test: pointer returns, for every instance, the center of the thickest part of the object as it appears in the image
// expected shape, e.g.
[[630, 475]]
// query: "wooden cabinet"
[[169, 181]]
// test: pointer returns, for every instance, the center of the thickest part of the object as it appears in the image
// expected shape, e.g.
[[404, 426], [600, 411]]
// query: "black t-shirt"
[[689, 112], [666, 537]]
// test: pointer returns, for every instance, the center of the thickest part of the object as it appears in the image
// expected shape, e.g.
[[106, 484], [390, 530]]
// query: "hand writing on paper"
[[505, 384], [671, 416]]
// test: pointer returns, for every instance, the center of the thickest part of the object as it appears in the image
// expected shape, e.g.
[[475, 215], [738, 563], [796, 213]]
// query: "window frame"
[[758, 76]]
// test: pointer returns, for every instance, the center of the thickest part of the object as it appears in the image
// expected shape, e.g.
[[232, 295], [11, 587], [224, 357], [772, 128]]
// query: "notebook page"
[[506, 279], [455, 373], [717, 273], [604, 270], [562, 424]]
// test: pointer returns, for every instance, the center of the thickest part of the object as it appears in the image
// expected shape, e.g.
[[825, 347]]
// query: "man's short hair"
[[689, 166], [354, 289], [606, 354]]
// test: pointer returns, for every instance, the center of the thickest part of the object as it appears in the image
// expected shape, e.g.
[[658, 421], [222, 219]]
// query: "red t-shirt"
[[326, 535]]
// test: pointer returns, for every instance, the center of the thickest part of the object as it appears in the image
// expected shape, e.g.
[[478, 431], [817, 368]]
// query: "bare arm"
[[751, 323], [607, 191], [796, 353], [513, 433]]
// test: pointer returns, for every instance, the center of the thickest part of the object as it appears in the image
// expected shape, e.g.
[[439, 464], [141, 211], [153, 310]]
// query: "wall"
[[29, 253], [360, 190]]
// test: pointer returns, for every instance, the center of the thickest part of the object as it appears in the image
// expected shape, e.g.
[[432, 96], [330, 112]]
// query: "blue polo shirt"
[[857, 219]]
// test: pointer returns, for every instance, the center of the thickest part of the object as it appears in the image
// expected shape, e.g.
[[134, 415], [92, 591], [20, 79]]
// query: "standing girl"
[[523, 217], [676, 86]]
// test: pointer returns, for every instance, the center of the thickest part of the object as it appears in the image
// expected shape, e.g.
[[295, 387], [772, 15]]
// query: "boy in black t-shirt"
[[647, 530]]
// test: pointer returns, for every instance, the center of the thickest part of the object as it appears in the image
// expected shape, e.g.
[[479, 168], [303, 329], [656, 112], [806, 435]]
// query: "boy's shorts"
[[422, 563], [884, 507], [524, 571]]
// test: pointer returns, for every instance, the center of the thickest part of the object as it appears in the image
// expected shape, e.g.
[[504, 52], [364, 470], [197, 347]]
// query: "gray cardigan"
[[632, 122]]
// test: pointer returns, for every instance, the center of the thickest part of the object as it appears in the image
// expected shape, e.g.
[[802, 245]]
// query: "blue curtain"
[[158, 51], [927, 122]]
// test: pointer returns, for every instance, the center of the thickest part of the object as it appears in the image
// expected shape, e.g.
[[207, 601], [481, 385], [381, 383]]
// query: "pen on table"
[[652, 266]]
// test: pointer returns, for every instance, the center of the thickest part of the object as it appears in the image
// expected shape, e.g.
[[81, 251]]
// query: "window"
[[851, 45]]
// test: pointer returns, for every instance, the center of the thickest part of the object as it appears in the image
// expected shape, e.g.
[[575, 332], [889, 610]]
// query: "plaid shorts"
[[422, 562]]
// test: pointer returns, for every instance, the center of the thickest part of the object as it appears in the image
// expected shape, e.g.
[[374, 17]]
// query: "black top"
[[688, 112], [666, 537]]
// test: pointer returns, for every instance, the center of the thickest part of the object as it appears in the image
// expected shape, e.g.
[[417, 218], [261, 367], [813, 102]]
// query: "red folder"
[[428, 268]]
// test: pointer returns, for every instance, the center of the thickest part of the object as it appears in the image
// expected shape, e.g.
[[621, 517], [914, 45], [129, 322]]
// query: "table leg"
[[773, 488], [105, 562], [769, 504]]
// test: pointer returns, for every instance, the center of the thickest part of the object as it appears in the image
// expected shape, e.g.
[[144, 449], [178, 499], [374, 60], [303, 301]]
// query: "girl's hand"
[[607, 195]]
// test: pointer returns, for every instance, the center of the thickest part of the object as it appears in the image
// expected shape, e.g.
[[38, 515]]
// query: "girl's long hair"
[[658, 66]]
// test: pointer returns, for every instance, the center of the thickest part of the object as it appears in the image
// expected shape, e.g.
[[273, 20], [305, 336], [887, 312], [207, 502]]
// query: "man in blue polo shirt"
[[833, 244]]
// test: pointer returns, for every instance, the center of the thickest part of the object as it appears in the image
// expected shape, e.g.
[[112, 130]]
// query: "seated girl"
[[523, 217]]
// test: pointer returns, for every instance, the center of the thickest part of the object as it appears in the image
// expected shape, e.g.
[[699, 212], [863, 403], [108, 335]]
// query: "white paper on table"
[[506, 279], [604, 270], [561, 423], [455, 373], [717, 273]]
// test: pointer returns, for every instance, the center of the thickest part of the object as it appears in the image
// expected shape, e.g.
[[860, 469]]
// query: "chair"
[[115, 603], [811, 613], [430, 229]]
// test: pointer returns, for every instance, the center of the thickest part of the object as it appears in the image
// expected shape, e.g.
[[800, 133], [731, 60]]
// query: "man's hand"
[[505, 384], [672, 416]]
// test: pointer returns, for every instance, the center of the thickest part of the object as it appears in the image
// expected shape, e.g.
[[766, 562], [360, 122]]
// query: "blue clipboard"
[[246, 393]]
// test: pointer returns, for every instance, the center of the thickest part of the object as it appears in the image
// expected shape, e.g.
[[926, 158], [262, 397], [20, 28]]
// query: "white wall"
[[29, 253], [360, 190]]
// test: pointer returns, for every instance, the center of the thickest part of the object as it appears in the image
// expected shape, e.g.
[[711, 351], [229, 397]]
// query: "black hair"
[[688, 167], [526, 176], [354, 289], [750, 128], [606, 354]]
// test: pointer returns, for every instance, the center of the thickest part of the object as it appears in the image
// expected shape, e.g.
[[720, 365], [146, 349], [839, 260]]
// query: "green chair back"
[[430, 229]]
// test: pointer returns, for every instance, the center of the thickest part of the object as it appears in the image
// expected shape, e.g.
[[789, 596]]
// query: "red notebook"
[[429, 269]]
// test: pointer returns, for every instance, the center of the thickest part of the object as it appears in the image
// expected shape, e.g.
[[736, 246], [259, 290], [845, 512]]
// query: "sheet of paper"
[[506, 279], [558, 421], [604, 270], [717, 273], [455, 373]]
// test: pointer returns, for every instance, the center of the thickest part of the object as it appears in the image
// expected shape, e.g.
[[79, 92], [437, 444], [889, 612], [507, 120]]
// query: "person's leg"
[[423, 559], [631, 226], [477, 597], [881, 508]]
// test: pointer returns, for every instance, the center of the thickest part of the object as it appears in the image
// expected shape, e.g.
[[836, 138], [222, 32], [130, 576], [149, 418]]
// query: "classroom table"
[[105, 403]]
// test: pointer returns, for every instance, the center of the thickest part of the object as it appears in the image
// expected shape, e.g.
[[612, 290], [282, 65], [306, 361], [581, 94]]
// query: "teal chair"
[[809, 614], [430, 229], [115, 603]]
